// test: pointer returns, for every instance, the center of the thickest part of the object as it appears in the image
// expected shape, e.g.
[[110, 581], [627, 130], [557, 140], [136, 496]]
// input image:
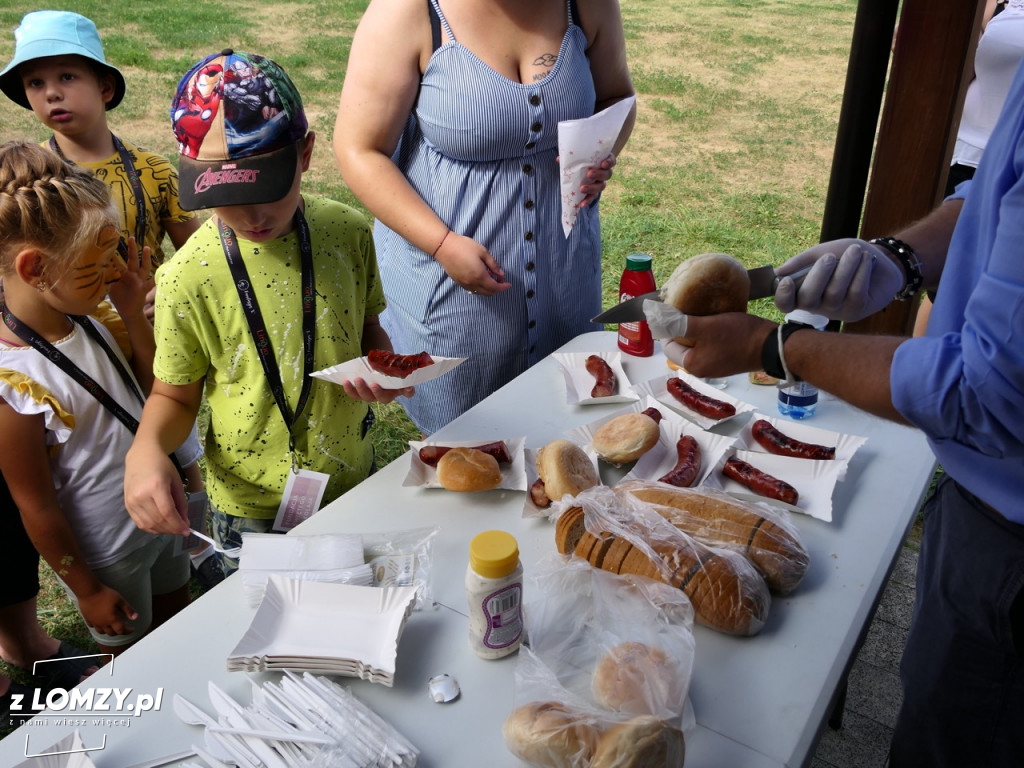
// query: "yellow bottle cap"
[[493, 554]]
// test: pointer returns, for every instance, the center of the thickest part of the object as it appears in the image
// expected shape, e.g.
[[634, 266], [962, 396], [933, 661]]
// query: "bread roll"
[[718, 520], [643, 742], [637, 678], [551, 734], [727, 592], [707, 285], [565, 469], [626, 437], [467, 469]]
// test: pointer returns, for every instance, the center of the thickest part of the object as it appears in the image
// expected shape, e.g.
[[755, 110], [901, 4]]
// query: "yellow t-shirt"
[[201, 330], [159, 181]]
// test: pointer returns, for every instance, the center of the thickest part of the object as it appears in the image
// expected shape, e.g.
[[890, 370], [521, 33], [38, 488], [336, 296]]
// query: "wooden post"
[[931, 66]]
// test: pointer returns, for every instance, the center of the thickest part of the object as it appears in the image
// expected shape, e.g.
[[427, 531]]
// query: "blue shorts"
[[149, 571], [963, 665], [227, 531]]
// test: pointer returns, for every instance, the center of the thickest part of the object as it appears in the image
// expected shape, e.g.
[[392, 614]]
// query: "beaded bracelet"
[[908, 259], [773, 359]]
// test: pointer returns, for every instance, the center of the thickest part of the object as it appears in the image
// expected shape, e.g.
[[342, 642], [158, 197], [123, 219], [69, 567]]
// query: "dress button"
[[535, 99], [536, 127], [529, 266], [533, 324], [531, 144], [528, 205], [530, 294], [527, 168], [528, 236], [533, 349]]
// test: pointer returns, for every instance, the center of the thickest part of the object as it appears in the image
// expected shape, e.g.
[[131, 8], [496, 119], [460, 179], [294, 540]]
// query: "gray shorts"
[[149, 571]]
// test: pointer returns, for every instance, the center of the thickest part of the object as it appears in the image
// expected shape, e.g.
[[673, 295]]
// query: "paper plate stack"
[[327, 629]]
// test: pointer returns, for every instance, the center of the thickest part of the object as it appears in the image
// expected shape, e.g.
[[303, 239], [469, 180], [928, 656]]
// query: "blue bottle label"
[[801, 395]]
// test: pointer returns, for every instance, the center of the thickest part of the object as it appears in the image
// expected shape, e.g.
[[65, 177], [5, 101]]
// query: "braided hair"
[[49, 205]]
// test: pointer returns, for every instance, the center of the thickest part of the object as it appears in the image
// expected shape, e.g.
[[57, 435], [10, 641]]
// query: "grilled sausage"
[[695, 401], [774, 441], [539, 495], [431, 454], [688, 465], [606, 384], [654, 413], [393, 364], [759, 482]]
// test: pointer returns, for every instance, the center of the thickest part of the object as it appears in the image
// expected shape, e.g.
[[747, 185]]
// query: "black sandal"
[[65, 668]]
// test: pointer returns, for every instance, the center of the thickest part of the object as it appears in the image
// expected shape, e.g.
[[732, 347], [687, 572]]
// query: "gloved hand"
[[850, 280], [674, 351]]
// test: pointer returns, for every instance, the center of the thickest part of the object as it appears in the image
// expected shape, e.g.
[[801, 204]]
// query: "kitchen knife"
[[763, 282]]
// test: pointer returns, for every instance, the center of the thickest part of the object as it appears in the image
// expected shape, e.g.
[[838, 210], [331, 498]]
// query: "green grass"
[[738, 102]]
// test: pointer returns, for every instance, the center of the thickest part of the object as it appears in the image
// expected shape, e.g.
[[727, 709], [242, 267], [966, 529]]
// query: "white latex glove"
[[850, 280], [674, 351], [667, 324]]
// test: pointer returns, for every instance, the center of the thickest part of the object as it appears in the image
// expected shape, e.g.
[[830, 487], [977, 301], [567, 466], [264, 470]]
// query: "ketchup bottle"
[[637, 279]]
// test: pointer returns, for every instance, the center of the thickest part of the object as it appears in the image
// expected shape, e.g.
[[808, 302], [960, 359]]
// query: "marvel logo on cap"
[[237, 118]]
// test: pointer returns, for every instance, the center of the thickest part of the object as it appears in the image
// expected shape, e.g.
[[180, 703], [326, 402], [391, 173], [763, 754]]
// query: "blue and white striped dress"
[[480, 149]]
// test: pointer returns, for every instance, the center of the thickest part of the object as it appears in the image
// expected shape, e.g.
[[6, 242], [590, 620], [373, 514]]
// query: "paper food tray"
[[579, 382], [337, 626], [813, 480], [657, 389], [663, 456], [584, 435], [845, 445], [529, 508], [360, 368], [513, 476]]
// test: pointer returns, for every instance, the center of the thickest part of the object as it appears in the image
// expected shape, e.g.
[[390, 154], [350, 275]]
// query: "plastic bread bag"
[[620, 534], [403, 558], [762, 532], [608, 667]]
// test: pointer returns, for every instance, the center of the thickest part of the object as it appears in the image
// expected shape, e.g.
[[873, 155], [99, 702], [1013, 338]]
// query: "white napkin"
[[582, 144]]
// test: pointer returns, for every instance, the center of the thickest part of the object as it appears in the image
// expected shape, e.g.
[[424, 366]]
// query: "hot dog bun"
[[467, 469], [643, 742], [626, 437], [551, 734], [565, 469], [637, 678], [707, 285]]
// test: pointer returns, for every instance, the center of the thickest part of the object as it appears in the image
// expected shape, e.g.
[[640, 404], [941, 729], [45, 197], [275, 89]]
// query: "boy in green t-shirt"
[[275, 286]]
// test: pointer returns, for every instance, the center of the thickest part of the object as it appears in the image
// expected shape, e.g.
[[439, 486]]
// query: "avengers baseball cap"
[[55, 33], [238, 119]]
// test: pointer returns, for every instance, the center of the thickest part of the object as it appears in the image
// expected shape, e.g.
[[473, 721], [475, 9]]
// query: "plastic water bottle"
[[800, 401], [637, 279]]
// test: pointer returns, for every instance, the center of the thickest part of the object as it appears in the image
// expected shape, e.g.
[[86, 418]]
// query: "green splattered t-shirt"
[[201, 330]]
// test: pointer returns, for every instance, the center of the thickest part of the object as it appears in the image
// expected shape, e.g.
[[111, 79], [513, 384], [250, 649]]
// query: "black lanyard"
[[258, 328], [62, 361], [137, 190]]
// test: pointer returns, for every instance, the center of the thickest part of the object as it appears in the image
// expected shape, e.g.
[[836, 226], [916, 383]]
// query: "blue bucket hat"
[[55, 33]]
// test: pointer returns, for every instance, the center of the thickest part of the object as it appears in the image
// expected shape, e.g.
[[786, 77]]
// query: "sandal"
[[63, 669]]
